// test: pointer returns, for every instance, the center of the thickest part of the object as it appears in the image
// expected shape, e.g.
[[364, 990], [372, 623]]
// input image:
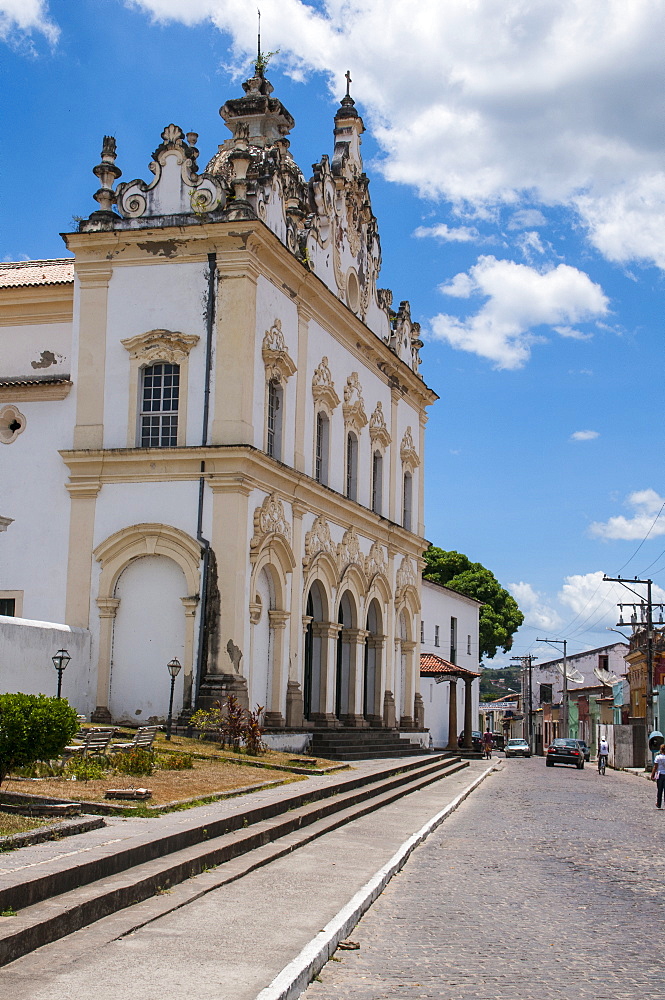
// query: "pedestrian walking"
[[487, 744], [658, 775]]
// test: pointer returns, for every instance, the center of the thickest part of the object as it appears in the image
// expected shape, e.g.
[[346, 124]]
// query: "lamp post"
[[60, 661], [174, 669]]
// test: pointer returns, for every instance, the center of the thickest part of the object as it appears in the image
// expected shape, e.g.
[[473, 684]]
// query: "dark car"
[[498, 741], [565, 752], [476, 741], [586, 750], [517, 748]]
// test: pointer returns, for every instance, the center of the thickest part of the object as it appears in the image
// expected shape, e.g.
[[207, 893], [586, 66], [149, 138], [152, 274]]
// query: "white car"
[[517, 748]]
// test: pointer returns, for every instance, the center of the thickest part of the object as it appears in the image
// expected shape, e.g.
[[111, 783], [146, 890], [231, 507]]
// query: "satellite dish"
[[606, 676], [572, 674]]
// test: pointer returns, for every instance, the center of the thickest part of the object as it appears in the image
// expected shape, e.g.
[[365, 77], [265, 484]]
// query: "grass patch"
[[12, 823]]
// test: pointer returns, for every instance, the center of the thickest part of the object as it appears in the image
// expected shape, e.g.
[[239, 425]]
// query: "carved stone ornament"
[[270, 519], [323, 387], [348, 551], [408, 452], [279, 365], [375, 561], [160, 345], [378, 430], [354, 406], [317, 540], [406, 576], [12, 423], [177, 188]]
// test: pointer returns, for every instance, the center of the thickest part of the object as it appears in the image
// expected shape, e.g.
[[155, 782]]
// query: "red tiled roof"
[[431, 664], [36, 272]]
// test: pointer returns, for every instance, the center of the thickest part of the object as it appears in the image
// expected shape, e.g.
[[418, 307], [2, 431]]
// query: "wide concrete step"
[[118, 884]]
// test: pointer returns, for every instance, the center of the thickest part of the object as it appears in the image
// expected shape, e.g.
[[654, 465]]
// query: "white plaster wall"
[[169, 296], [22, 347], [119, 505], [407, 416], [26, 648], [438, 606], [436, 699], [34, 549]]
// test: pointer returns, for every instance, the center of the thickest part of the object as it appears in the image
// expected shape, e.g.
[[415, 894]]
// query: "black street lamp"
[[174, 669], [60, 661]]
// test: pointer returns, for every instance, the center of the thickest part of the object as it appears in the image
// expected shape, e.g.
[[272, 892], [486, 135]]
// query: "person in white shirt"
[[658, 775], [603, 751]]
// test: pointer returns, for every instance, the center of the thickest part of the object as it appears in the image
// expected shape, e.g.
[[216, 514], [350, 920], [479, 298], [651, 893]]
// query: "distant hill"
[[499, 681]]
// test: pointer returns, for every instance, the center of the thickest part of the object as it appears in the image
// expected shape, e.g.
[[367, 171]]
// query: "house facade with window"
[[213, 425]]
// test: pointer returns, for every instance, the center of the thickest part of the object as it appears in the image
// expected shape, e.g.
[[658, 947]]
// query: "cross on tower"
[[348, 82]]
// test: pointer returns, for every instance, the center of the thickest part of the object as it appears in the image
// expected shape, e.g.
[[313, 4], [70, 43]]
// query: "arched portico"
[[374, 672]]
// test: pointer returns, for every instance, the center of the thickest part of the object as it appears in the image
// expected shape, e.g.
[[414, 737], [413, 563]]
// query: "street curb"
[[298, 974]]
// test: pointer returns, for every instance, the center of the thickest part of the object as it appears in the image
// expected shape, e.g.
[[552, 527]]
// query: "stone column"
[[327, 632], [394, 493], [303, 383], [279, 669], [376, 645], [235, 346], [190, 605], [108, 607], [91, 362], [79, 562], [354, 717], [408, 647], [295, 689], [452, 715], [296, 659], [468, 714]]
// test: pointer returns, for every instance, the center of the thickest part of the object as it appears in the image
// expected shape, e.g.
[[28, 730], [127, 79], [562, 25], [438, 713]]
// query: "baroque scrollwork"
[[406, 576], [170, 346], [354, 405], [378, 431], [318, 539], [323, 387], [408, 452], [270, 519], [276, 358]]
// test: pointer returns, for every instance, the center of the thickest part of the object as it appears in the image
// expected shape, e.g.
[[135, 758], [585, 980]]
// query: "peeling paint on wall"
[[47, 358], [163, 248]]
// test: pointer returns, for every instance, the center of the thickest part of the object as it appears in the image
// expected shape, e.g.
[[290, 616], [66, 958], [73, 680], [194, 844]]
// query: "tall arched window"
[[322, 448], [407, 500], [377, 482], [275, 410], [160, 391], [351, 466]]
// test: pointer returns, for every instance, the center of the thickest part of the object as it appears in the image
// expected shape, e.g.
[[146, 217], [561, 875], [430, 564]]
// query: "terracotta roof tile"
[[36, 272], [431, 664]]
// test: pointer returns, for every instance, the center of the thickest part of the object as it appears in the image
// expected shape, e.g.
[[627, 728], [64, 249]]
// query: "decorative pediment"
[[270, 519], [354, 406], [318, 539], [408, 452], [375, 561], [177, 188], [348, 551], [406, 576], [323, 387], [378, 431], [160, 345], [279, 365]]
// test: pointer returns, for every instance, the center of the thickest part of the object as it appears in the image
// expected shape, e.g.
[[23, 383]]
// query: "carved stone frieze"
[[348, 551], [378, 431], [270, 519], [375, 561], [406, 576], [318, 539], [279, 365], [408, 452], [323, 387], [354, 406], [170, 346]]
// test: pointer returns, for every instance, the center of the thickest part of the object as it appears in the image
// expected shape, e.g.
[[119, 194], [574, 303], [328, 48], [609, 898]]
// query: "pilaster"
[[235, 355], [91, 365], [83, 497]]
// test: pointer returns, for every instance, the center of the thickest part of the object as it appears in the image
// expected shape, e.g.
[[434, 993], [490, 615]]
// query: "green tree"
[[500, 616], [33, 727]]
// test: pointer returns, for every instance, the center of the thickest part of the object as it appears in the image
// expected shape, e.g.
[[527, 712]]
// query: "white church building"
[[212, 437]]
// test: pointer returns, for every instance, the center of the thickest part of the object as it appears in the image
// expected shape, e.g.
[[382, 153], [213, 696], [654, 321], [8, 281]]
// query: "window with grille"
[[407, 500], [159, 406], [275, 408], [322, 447], [377, 482], [351, 466]]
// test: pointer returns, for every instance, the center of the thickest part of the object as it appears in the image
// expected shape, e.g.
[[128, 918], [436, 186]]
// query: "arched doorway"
[[262, 643], [314, 658], [373, 665], [148, 631], [344, 695], [400, 700]]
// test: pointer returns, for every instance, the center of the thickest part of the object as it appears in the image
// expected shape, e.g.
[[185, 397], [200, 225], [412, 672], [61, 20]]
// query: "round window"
[[352, 290]]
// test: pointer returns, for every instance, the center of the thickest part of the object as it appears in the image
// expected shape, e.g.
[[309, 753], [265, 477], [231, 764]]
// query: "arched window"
[[407, 500], [322, 448], [160, 391], [275, 410], [377, 482], [351, 466]]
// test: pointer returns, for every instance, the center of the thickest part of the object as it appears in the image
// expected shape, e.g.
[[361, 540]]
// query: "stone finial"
[[107, 173]]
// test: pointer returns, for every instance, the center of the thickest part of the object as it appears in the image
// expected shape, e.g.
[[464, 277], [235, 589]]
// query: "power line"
[[644, 539]]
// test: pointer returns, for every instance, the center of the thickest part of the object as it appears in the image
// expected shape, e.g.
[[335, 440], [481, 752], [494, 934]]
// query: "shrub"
[[176, 762], [253, 733], [86, 768], [134, 762], [33, 727]]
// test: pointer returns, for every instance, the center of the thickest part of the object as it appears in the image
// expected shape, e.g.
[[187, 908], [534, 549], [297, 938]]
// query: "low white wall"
[[26, 648], [288, 742]]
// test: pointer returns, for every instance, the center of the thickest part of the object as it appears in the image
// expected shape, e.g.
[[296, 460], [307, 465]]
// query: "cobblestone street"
[[547, 883]]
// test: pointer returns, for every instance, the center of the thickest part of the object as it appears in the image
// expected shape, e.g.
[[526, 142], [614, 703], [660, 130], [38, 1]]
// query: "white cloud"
[[646, 505], [571, 333], [584, 435], [518, 299], [550, 101], [536, 611], [18, 18], [460, 234], [526, 218], [530, 244], [595, 601]]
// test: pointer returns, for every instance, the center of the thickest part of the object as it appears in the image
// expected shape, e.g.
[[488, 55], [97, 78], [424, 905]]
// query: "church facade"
[[213, 426]]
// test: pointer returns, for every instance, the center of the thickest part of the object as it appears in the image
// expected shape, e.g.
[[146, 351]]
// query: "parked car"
[[498, 741], [586, 750], [476, 741], [564, 752], [517, 748]]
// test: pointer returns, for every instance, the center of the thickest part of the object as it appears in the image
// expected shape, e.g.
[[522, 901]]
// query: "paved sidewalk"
[[231, 943]]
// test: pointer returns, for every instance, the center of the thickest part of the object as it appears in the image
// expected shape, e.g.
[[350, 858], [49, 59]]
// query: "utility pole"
[[527, 692], [646, 618], [564, 696]]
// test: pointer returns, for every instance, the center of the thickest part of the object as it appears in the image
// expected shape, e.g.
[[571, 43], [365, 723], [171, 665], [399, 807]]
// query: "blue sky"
[[517, 165]]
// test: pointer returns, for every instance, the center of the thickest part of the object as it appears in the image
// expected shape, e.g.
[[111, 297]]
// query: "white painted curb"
[[298, 974]]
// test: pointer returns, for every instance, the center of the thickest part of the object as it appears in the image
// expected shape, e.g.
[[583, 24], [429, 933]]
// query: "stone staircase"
[[362, 744]]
